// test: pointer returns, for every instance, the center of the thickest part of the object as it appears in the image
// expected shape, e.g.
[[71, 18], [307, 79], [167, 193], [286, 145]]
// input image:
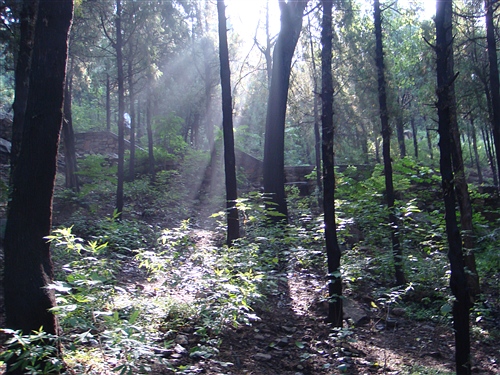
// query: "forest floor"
[[290, 337]]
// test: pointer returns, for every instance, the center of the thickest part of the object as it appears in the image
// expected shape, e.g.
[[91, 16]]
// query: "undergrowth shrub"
[[96, 314]]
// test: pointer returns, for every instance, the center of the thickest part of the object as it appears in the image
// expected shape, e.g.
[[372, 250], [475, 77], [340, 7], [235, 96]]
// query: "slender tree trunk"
[[386, 148], [447, 115], [267, 52], [274, 146], [233, 224], [28, 265], [108, 104], [317, 135], [494, 78], [477, 162], [68, 136], [139, 124], [400, 130], [429, 142], [332, 246], [130, 71], [22, 75], [377, 147], [149, 130], [415, 140], [121, 112], [490, 153]]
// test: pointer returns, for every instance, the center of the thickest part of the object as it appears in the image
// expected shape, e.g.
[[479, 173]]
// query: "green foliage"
[[227, 279], [168, 131], [98, 314], [36, 353], [88, 116]]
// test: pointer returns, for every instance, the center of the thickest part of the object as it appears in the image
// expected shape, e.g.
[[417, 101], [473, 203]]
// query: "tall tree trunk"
[[121, 112], [400, 130], [477, 161], [332, 246], [149, 130], [28, 265], [108, 103], [22, 75], [233, 224], [494, 79], [274, 144], [490, 153], [447, 115], [317, 135], [267, 52], [429, 143], [68, 136], [415, 139], [130, 71], [386, 148]]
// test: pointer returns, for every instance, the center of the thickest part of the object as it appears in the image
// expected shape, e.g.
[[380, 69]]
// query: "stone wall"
[[97, 143]]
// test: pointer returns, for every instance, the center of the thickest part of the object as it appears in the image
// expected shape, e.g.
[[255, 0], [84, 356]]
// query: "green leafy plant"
[[37, 353]]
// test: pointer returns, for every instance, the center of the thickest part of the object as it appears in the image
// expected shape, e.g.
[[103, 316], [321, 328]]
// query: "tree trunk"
[[447, 115], [415, 140], [477, 161], [335, 315], [317, 135], [121, 112], [400, 130], [429, 143], [68, 136], [131, 167], [233, 224], [108, 104], [274, 144], [386, 148], [489, 152], [22, 74], [149, 130], [28, 265], [494, 79]]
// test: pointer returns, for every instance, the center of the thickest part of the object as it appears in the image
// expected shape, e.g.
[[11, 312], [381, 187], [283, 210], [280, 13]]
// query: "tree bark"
[[335, 315], [28, 265], [317, 135], [447, 115], [477, 162], [494, 79], [233, 224], [400, 130], [429, 143], [108, 104], [415, 140], [130, 71], [274, 144], [149, 130], [386, 148], [68, 136], [121, 112], [22, 74], [490, 153]]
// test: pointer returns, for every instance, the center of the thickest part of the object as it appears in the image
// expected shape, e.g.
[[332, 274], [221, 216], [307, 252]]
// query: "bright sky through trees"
[[245, 14]]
